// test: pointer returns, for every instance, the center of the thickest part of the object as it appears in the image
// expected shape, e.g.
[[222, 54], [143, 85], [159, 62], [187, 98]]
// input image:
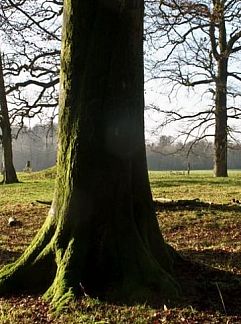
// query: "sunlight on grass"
[[209, 234], [200, 184], [32, 187]]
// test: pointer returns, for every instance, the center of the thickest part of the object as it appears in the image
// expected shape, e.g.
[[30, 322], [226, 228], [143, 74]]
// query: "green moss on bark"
[[101, 236]]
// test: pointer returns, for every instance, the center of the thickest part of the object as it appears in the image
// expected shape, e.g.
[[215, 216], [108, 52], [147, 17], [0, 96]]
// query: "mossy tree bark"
[[101, 234], [9, 173]]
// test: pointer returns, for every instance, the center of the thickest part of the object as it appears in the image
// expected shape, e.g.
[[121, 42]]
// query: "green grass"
[[32, 186], [209, 234], [199, 184]]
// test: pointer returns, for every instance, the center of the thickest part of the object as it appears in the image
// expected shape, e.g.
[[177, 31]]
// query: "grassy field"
[[206, 228]]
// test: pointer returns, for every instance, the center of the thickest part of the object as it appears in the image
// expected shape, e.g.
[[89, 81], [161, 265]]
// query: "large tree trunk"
[[9, 173], [101, 234]]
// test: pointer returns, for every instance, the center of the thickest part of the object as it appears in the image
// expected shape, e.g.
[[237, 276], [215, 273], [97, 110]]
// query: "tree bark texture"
[[101, 234], [221, 117], [221, 147], [9, 173]]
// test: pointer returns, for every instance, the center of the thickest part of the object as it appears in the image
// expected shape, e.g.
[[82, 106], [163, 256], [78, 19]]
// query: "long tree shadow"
[[207, 288], [203, 284], [192, 204], [218, 258]]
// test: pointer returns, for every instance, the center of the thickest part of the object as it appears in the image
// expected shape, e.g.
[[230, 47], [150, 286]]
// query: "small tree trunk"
[[9, 174], [220, 144], [221, 118]]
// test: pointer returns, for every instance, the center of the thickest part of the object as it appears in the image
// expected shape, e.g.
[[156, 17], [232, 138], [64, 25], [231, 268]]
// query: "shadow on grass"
[[231, 260], [207, 288], [194, 181], [7, 256], [194, 204], [204, 288]]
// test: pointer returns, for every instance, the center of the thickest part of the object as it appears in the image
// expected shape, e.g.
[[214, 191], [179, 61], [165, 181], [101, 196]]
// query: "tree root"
[[60, 264], [27, 272]]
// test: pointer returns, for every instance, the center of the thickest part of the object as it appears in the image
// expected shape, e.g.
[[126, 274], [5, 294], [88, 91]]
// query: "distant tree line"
[[37, 144], [167, 154]]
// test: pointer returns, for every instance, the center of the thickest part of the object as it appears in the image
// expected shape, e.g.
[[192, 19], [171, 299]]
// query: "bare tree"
[[9, 173], [199, 44], [30, 33], [31, 30]]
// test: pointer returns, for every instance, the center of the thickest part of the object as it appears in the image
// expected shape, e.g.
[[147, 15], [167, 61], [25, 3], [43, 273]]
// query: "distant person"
[[188, 168], [27, 167]]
